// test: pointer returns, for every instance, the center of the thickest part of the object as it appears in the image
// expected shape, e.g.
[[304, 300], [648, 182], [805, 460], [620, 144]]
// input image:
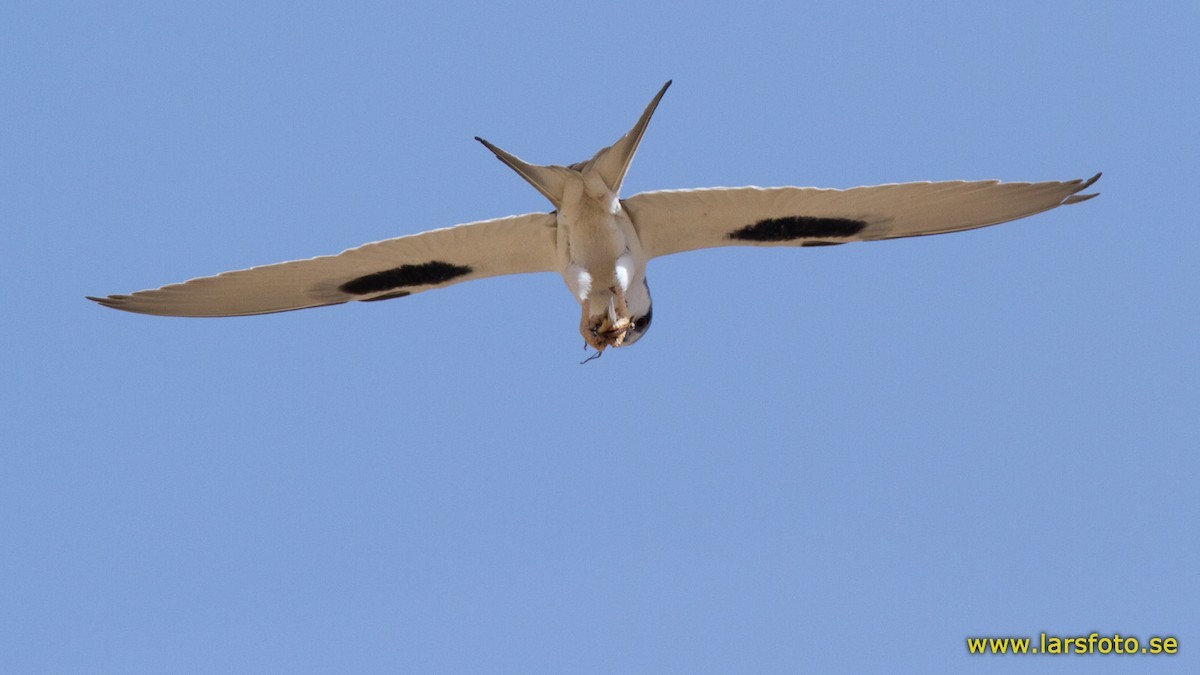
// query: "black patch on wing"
[[388, 296], [822, 243], [424, 274], [789, 228]]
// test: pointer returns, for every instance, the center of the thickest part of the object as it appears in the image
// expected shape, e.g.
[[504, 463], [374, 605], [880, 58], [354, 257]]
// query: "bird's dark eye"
[[641, 323]]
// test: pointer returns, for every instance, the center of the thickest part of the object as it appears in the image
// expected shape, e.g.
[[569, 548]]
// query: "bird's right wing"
[[391, 268], [672, 221]]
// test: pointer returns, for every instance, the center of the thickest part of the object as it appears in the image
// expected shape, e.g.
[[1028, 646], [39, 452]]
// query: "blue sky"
[[842, 459]]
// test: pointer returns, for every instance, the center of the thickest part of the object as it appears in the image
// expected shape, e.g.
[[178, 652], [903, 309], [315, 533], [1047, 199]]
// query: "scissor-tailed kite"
[[600, 243]]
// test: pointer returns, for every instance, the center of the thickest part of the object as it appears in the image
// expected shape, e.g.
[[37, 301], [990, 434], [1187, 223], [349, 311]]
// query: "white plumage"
[[601, 243]]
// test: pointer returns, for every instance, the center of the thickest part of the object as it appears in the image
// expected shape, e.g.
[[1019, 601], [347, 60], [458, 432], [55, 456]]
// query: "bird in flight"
[[600, 243]]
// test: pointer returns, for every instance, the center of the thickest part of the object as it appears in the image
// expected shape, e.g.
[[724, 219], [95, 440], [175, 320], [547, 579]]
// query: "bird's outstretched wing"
[[672, 221], [384, 269]]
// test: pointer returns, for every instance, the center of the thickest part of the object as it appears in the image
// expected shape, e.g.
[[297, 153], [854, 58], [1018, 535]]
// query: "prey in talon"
[[611, 329], [600, 243]]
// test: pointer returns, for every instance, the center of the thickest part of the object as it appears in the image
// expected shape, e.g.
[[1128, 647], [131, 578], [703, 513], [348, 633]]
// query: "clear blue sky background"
[[842, 459]]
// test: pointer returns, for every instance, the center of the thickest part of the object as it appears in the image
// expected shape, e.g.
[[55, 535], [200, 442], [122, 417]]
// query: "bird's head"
[[641, 312]]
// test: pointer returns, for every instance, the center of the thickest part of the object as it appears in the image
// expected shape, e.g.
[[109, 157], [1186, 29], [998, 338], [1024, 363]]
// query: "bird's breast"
[[594, 237]]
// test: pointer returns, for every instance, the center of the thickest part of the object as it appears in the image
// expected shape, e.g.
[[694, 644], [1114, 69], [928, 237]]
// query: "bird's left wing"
[[672, 221], [384, 269]]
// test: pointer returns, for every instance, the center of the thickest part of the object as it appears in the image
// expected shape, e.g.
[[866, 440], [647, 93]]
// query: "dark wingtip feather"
[[1077, 198], [112, 301]]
